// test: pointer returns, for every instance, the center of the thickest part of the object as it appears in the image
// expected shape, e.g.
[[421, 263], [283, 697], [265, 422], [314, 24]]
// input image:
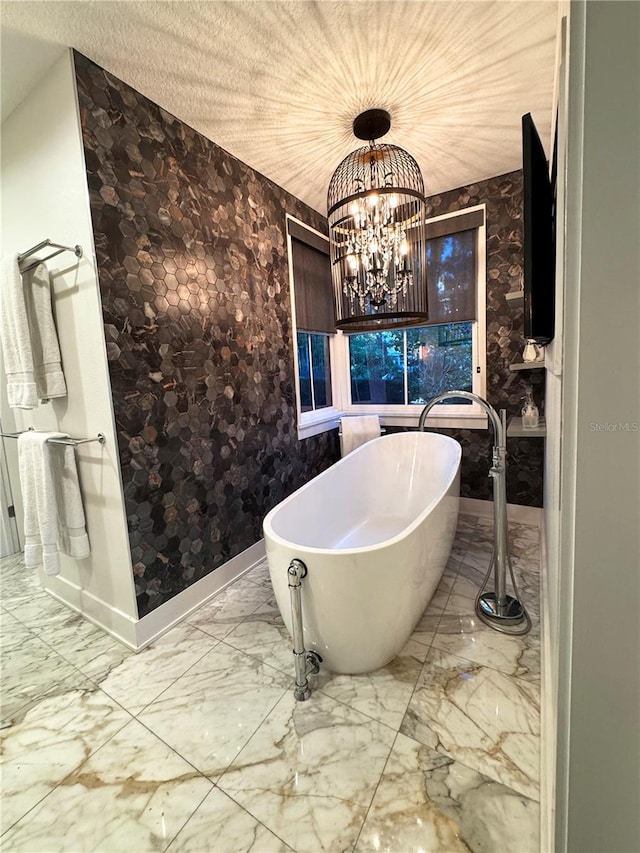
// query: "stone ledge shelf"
[[516, 430], [526, 365]]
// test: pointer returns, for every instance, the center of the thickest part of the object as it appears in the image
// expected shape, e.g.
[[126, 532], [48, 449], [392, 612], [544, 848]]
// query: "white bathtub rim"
[[269, 532]]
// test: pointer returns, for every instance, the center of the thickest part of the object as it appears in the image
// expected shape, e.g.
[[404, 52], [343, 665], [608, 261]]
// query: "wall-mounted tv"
[[539, 237]]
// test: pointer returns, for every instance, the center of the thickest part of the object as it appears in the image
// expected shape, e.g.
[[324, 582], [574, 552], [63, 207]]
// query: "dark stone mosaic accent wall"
[[505, 342], [194, 283]]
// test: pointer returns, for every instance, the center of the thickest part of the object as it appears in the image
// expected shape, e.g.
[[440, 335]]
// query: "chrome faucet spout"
[[496, 609], [496, 422]]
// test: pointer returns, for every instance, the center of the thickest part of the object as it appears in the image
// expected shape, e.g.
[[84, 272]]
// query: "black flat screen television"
[[539, 237]]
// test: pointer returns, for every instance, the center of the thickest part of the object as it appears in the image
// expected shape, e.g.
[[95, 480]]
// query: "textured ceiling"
[[278, 83]]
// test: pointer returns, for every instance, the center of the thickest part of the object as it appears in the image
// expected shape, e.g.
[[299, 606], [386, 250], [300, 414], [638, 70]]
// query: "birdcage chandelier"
[[376, 211]]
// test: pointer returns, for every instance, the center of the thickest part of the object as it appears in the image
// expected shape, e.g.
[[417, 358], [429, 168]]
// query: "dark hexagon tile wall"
[[193, 274], [505, 342]]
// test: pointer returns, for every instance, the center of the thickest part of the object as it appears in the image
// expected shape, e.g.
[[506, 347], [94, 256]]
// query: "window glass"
[[451, 277], [439, 358], [377, 367], [314, 371], [304, 371], [321, 370]]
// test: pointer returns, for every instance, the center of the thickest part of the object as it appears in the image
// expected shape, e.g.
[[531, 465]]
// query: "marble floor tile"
[[12, 632], [11, 562], [210, 713], [259, 575], [31, 670], [220, 824], [264, 636], [466, 521], [310, 772], [229, 608], [41, 612], [53, 738], [483, 718], [134, 793], [215, 698], [528, 583], [458, 549], [18, 583], [109, 658], [384, 694], [453, 566], [142, 677], [524, 531], [81, 642], [463, 596], [475, 563], [440, 597], [427, 801], [464, 635], [474, 569], [426, 628]]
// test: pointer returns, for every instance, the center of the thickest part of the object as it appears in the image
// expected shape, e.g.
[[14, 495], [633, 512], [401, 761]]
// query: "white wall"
[[595, 464], [44, 194]]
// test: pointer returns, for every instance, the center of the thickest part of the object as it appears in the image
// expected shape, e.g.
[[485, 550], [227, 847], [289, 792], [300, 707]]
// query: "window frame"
[[447, 416]]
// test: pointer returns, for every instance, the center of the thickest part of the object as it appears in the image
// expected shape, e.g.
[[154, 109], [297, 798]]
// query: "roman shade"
[[452, 268], [313, 291]]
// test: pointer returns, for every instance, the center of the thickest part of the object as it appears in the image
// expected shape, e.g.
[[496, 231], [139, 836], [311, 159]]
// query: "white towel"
[[16, 342], [44, 338], [53, 513], [358, 430], [29, 340]]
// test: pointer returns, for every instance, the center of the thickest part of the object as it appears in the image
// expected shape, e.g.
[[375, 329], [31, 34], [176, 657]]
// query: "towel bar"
[[63, 440], [77, 250]]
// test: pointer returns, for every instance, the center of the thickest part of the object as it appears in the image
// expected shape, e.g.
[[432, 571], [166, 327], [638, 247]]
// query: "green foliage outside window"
[[438, 358]]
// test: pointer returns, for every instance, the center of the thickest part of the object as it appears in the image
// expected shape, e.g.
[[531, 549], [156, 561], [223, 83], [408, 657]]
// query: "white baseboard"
[[515, 512], [138, 633], [115, 622]]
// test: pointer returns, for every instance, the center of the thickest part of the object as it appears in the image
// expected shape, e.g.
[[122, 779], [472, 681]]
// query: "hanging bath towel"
[[29, 341], [357, 430], [54, 520], [16, 342], [45, 348]]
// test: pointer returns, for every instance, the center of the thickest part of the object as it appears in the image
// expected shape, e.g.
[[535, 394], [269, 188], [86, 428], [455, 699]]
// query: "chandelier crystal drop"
[[376, 228]]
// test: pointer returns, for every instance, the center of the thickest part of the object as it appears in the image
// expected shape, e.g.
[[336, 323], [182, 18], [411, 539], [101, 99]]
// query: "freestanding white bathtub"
[[375, 531]]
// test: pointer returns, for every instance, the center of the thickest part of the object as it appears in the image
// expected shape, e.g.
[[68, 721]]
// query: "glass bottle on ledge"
[[530, 414]]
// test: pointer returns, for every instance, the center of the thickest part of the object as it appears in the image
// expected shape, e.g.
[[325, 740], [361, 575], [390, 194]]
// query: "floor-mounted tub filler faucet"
[[307, 663], [496, 609]]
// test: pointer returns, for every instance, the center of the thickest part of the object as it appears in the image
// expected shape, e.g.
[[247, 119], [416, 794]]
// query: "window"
[[411, 366], [314, 327], [394, 373], [314, 371]]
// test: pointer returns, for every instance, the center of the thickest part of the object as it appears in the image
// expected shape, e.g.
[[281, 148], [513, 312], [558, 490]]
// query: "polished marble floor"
[[196, 743]]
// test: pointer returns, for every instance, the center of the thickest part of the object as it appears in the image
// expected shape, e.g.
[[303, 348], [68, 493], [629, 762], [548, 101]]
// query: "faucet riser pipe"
[[496, 609], [500, 534], [297, 570]]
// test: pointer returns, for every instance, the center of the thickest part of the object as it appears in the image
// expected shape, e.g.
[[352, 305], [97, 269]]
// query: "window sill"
[[314, 423], [323, 420], [436, 421], [447, 417]]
